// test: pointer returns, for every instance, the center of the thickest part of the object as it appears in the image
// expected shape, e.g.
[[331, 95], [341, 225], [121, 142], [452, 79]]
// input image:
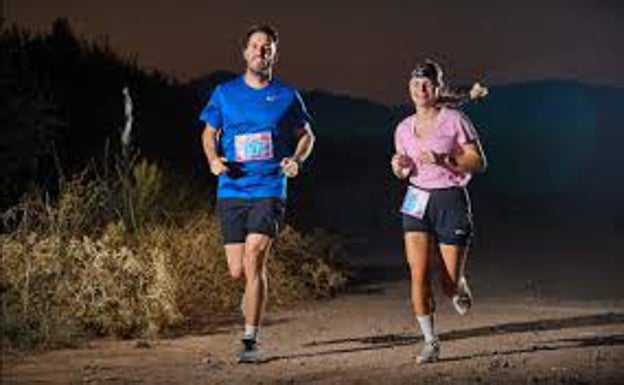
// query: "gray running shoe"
[[430, 352], [462, 301], [250, 354]]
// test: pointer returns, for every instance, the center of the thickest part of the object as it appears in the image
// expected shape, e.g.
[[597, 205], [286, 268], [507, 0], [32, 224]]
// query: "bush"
[[56, 290], [75, 268]]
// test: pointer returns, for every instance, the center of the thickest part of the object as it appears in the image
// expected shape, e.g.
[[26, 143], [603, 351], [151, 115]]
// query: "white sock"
[[426, 327], [251, 332]]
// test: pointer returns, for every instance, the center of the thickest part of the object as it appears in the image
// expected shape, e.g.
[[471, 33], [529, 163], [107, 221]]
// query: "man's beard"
[[262, 71]]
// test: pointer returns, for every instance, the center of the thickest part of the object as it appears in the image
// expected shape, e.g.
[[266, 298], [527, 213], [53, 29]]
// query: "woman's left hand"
[[432, 157], [428, 157]]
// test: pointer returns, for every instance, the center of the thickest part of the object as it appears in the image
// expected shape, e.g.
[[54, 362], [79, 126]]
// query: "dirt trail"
[[543, 314], [367, 336]]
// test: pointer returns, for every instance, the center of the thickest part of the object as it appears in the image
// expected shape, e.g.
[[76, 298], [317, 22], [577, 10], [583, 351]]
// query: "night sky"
[[356, 47]]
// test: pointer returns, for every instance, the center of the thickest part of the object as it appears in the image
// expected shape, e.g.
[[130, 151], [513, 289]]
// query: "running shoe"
[[250, 354], [430, 352], [462, 300]]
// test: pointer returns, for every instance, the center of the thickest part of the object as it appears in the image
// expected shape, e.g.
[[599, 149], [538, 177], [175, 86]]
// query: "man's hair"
[[264, 28]]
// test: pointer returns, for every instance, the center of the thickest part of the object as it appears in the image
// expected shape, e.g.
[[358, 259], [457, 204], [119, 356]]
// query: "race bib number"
[[258, 146], [415, 202]]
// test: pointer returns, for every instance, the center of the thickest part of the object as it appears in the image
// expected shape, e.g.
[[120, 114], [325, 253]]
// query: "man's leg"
[[234, 253], [262, 225], [256, 254], [232, 215], [254, 262]]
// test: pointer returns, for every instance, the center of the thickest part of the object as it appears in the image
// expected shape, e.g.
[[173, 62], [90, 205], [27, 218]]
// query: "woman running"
[[437, 151]]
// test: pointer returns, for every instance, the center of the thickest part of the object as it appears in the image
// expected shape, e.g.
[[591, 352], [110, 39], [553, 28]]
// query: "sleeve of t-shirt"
[[466, 131], [300, 112], [212, 112]]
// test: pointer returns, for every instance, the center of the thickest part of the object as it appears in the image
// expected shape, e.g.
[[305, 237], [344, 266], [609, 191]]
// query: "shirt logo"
[[271, 98]]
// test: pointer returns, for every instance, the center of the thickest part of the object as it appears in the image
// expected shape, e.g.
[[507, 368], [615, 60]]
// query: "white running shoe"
[[430, 352], [462, 300]]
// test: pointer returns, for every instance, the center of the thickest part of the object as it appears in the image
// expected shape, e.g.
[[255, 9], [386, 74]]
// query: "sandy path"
[[367, 336], [543, 314]]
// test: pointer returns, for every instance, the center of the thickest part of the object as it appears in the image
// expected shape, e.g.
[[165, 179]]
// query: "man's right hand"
[[217, 166]]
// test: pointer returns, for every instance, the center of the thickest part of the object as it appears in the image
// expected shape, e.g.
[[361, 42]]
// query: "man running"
[[257, 133]]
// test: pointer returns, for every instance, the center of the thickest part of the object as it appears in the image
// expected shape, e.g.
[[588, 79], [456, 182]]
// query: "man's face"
[[424, 91], [260, 53]]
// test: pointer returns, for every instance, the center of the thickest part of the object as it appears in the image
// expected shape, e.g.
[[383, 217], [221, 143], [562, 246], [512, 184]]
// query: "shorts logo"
[[258, 146]]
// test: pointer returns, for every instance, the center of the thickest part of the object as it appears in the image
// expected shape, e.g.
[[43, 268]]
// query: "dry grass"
[[106, 258], [55, 291]]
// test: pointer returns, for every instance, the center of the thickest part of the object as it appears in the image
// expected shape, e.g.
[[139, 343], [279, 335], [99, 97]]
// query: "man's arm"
[[305, 143], [209, 142]]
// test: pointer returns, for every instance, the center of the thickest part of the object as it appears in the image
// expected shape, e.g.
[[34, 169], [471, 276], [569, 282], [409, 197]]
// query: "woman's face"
[[423, 91]]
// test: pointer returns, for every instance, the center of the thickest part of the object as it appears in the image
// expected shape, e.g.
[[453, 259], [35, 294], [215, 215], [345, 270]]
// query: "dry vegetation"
[[130, 255]]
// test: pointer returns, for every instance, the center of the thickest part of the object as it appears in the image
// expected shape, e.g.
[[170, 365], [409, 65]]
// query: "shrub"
[[73, 268]]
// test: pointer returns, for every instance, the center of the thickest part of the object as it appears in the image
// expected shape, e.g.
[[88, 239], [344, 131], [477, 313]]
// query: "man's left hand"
[[290, 167]]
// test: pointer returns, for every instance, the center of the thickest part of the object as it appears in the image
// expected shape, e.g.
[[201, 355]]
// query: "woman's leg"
[[418, 254], [452, 276], [418, 248]]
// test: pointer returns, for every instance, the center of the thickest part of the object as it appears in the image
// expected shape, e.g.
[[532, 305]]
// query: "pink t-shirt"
[[451, 130]]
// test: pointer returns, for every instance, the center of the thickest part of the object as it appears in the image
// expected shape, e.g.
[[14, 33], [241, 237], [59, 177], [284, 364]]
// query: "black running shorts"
[[448, 217], [239, 217]]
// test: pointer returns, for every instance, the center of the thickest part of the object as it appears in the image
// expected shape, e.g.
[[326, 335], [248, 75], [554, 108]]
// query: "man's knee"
[[256, 247], [237, 274], [254, 263], [234, 254]]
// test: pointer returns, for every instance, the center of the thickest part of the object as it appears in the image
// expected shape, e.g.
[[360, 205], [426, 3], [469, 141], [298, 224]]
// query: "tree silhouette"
[[28, 117]]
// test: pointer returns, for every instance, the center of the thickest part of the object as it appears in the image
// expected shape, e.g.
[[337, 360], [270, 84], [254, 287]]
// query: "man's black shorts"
[[240, 217], [448, 217]]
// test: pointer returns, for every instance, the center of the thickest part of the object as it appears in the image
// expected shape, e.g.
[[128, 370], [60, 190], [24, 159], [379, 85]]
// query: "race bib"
[[415, 202], [258, 146]]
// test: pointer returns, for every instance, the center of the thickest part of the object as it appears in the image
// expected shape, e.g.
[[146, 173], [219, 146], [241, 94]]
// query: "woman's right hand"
[[402, 165]]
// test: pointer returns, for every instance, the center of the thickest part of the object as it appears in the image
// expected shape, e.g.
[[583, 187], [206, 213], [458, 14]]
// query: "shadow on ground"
[[387, 341]]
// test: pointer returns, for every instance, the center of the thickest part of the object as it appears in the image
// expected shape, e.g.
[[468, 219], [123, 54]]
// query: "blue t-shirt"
[[258, 129]]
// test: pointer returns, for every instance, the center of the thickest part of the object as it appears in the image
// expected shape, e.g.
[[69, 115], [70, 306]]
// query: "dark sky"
[[363, 48]]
